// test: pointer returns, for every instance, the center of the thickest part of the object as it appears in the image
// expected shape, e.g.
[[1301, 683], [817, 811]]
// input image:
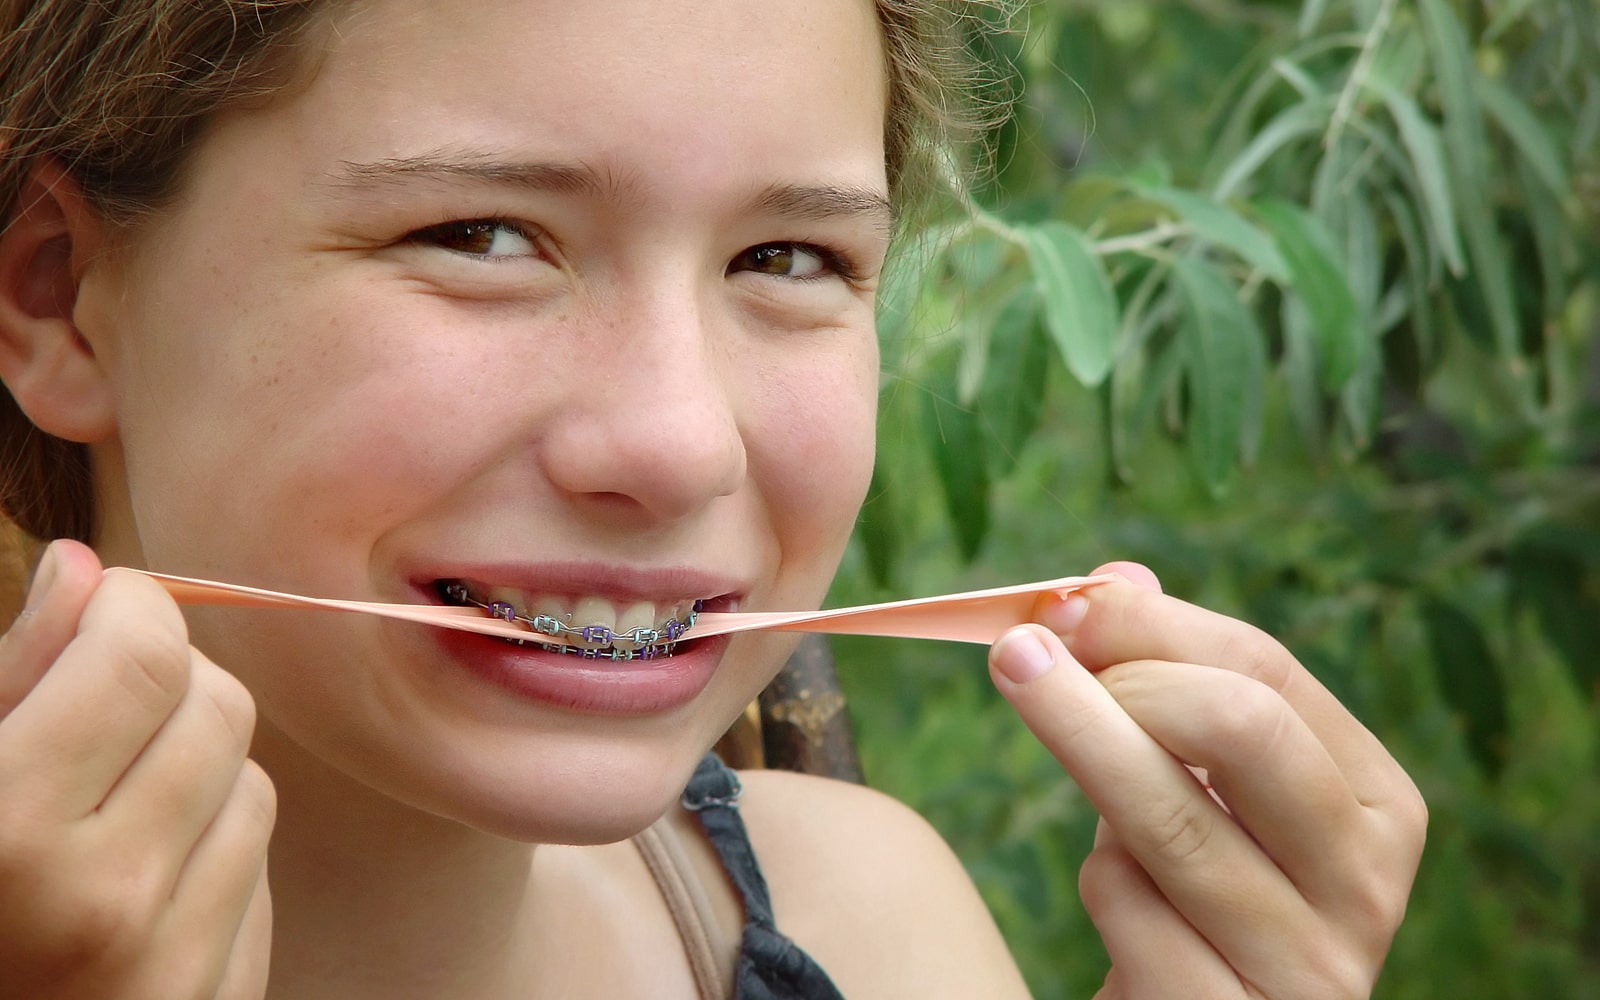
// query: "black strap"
[[771, 967]]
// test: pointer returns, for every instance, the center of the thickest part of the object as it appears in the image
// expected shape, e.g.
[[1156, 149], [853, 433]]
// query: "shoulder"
[[872, 891]]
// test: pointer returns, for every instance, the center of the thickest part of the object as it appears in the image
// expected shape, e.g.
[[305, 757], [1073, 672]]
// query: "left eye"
[[487, 238], [787, 260]]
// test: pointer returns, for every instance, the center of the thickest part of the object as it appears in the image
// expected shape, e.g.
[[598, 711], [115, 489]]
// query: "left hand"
[[1255, 839]]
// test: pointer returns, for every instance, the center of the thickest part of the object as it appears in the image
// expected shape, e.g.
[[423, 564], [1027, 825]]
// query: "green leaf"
[[1490, 280], [1086, 199], [900, 294], [956, 437], [1311, 16], [1469, 679], [1296, 76], [1243, 114], [1145, 372], [1509, 13], [1014, 379], [1080, 308], [1319, 281], [977, 261], [1550, 237], [1344, 210], [1419, 271], [1426, 150], [1361, 398], [1299, 367], [1216, 223], [1467, 142], [1298, 121], [875, 527], [1225, 364], [1531, 138], [1559, 588]]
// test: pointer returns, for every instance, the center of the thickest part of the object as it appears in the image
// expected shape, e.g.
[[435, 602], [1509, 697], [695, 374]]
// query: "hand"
[[1255, 840], [133, 830]]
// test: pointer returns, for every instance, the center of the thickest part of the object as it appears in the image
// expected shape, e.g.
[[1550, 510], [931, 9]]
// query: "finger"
[[68, 573], [1397, 815], [1137, 574], [1213, 873], [1273, 774], [1121, 621], [174, 790], [246, 975], [1154, 951], [106, 696], [221, 894], [1278, 782]]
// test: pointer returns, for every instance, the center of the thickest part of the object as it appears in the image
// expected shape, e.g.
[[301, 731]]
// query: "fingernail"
[[43, 576], [1064, 614], [1021, 657]]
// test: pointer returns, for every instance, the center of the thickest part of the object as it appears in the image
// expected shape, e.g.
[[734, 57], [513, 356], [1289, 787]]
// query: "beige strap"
[[707, 943]]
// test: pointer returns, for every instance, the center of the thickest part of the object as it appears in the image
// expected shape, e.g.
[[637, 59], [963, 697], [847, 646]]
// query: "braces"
[[652, 642]]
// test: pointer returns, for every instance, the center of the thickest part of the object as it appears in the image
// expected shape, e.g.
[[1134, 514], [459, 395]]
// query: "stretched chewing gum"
[[979, 616]]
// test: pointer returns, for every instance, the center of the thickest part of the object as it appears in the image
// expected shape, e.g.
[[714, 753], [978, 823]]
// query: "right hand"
[[133, 828]]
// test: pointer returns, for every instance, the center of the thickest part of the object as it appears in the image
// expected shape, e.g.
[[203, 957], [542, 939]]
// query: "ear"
[[52, 241]]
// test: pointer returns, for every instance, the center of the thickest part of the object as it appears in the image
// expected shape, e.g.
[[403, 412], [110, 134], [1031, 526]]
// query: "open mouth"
[[590, 628]]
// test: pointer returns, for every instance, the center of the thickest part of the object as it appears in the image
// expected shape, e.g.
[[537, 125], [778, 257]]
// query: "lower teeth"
[[612, 653]]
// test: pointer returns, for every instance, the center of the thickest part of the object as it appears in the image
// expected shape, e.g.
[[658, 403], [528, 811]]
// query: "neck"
[[428, 908]]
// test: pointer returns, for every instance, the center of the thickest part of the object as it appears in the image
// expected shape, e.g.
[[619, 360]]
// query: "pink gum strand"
[[979, 616]]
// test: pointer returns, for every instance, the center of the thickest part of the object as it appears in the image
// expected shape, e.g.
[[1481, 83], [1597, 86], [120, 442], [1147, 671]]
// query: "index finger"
[[1121, 622]]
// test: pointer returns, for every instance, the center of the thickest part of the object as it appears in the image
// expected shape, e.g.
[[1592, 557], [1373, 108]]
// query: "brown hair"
[[119, 91]]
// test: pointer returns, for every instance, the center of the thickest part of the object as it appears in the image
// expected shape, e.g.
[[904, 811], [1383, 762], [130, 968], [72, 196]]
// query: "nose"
[[654, 428]]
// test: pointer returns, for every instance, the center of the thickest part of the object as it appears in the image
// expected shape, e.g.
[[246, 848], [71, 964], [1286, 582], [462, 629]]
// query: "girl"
[[566, 307]]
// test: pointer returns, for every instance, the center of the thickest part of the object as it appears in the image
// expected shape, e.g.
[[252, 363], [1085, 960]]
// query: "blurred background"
[[1297, 303]]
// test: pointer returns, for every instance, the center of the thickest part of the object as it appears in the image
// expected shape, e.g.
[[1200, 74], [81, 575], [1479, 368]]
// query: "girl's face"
[[570, 303]]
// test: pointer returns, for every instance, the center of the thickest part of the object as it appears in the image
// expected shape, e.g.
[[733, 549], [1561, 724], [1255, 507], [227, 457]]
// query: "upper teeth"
[[585, 622]]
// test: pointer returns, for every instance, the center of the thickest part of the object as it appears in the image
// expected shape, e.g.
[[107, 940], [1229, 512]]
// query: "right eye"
[[487, 239]]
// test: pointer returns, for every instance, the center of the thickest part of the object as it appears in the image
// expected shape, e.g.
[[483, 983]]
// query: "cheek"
[[813, 452], [308, 422]]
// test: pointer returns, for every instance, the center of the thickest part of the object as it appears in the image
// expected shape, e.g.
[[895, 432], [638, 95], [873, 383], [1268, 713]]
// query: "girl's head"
[[567, 304], [119, 93]]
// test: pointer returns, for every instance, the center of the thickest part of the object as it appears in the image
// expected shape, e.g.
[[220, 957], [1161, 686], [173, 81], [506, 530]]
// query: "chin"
[[582, 798], [582, 825]]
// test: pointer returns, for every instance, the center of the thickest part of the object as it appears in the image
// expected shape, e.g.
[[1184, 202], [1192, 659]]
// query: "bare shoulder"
[[866, 886]]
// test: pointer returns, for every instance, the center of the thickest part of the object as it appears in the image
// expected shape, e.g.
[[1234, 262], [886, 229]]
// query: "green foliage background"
[[1297, 303]]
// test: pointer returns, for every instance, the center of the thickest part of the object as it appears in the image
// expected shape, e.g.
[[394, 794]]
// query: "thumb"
[[1055, 696], [67, 575], [1116, 763]]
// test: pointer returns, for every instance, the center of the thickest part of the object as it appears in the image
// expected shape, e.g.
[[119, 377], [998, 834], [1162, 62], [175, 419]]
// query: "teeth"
[[601, 626], [598, 619], [641, 615], [542, 605]]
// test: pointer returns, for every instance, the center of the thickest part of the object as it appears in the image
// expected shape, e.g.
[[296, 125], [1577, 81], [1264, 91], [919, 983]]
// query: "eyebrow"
[[801, 202], [559, 178], [813, 203]]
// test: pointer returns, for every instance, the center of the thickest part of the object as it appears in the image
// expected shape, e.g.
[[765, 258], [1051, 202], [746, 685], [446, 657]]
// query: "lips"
[[567, 673]]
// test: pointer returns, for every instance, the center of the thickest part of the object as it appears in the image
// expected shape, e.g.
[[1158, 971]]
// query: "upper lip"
[[623, 584]]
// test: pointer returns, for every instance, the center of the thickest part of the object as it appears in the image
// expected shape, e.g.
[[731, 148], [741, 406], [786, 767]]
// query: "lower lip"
[[598, 687]]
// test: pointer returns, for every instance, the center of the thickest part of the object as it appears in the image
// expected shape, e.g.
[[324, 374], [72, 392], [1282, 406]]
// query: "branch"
[[1358, 74]]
